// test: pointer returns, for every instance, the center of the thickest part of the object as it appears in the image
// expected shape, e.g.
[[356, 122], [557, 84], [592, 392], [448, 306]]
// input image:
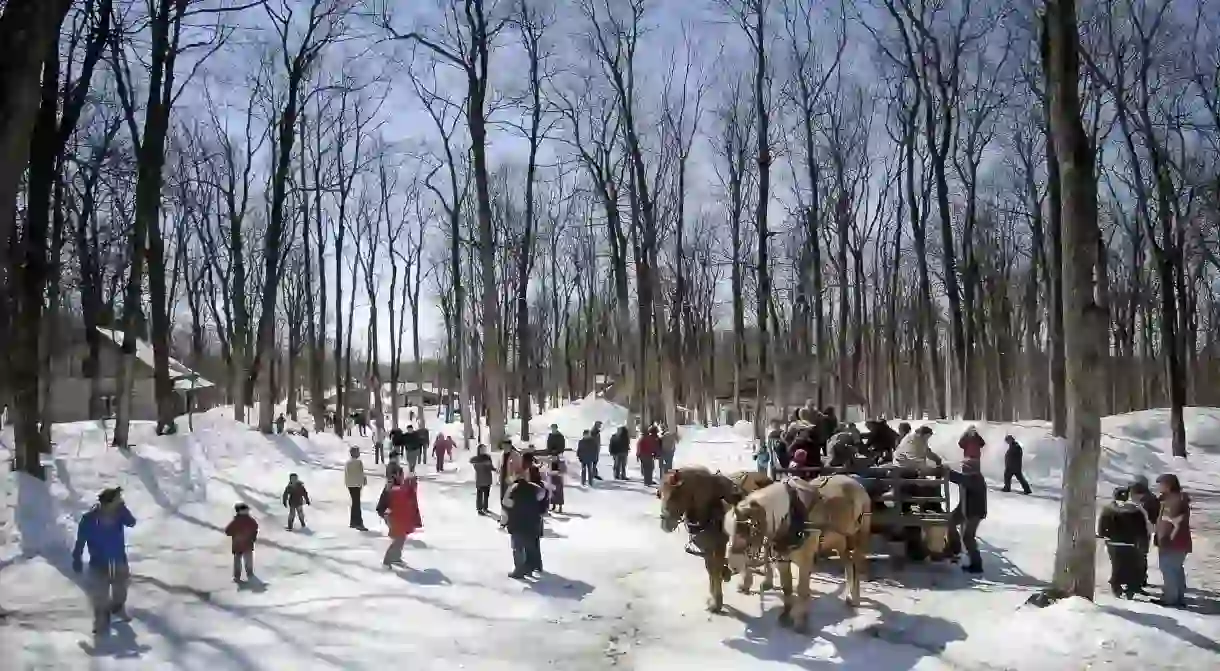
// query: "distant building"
[[71, 385]]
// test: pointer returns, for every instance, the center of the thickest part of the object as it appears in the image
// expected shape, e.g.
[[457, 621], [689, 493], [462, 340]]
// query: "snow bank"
[[577, 417]]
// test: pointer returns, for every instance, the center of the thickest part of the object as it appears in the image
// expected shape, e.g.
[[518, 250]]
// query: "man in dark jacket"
[[881, 441], [971, 510], [1124, 528], [596, 435], [524, 504], [620, 448], [1013, 457], [555, 442], [586, 454], [412, 447], [484, 468], [1141, 495], [102, 531]]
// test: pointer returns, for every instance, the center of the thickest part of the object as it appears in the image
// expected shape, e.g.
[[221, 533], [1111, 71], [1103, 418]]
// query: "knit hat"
[[109, 494]]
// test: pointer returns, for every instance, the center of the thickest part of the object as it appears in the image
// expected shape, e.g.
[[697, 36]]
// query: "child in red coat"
[[244, 531], [399, 507]]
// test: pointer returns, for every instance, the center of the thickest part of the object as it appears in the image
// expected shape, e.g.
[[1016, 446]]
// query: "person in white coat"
[[355, 479]]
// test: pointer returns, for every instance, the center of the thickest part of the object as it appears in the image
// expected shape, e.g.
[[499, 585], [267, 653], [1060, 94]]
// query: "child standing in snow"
[[244, 531], [442, 450], [555, 476], [295, 499]]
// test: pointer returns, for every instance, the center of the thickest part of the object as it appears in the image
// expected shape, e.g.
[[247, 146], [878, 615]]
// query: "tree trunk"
[[1084, 317]]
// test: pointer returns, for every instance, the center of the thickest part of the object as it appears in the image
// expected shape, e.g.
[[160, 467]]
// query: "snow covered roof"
[[409, 387], [184, 378]]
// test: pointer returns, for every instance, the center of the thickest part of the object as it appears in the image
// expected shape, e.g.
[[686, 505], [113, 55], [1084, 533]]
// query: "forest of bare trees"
[[721, 199]]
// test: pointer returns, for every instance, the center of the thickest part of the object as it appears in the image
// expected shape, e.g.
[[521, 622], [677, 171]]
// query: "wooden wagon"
[[911, 510]]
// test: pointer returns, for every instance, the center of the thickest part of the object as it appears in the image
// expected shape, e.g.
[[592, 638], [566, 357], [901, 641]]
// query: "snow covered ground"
[[619, 592]]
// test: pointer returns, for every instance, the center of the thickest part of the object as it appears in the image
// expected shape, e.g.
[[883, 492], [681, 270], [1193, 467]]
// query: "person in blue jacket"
[[103, 531]]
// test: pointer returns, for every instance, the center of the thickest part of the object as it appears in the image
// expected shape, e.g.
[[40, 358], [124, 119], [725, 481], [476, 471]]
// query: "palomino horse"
[[838, 515], [700, 498]]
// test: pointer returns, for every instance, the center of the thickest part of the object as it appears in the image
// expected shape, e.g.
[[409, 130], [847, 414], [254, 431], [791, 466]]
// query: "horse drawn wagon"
[[910, 507]]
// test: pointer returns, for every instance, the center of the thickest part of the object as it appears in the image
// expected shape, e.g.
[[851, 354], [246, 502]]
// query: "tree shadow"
[[261, 501], [566, 515], [121, 643], [559, 587], [431, 577], [911, 638], [1166, 624], [235, 657], [42, 535]]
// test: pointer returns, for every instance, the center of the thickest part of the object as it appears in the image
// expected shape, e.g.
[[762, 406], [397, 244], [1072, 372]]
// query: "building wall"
[[68, 400], [72, 363]]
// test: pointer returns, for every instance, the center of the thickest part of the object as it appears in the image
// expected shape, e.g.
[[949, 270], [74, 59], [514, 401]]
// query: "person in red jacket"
[[646, 451], [399, 507], [971, 443], [243, 529]]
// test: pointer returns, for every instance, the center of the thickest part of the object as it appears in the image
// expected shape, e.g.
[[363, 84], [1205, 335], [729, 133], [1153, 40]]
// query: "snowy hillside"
[[619, 592]]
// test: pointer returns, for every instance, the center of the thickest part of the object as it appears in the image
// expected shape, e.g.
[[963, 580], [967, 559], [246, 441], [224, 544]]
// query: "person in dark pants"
[[1141, 495], [586, 454], [555, 442], [1124, 528], [355, 479], [484, 469], [620, 448], [1012, 465], [596, 434], [379, 449], [971, 510], [647, 449], [523, 504]]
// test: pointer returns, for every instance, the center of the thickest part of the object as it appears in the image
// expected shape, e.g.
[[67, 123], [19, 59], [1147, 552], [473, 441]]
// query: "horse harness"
[[700, 526]]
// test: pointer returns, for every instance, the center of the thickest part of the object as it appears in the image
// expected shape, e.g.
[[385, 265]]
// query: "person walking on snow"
[[646, 451], [1123, 526], [586, 454], [355, 480], [524, 503], [295, 499], [596, 434], [102, 530], [669, 447], [971, 510], [399, 507], [555, 474], [620, 448], [243, 529], [1173, 539], [412, 447], [555, 442], [442, 449], [1142, 496], [279, 424], [484, 470], [1013, 457], [971, 443]]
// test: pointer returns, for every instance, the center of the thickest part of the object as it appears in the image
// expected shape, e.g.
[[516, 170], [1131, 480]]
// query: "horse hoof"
[[713, 607], [742, 589]]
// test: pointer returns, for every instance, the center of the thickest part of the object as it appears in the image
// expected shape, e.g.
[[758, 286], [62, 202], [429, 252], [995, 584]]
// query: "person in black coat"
[[1124, 527], [1012, 465], [620, 449], [555, 442], [1140, 494], [586, 454], [881, 441], [524, 504], [971, 510], [596, 434]]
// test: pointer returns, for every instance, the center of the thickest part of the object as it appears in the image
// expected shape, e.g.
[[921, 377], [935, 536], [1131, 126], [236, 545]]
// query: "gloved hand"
[[77, 566]]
